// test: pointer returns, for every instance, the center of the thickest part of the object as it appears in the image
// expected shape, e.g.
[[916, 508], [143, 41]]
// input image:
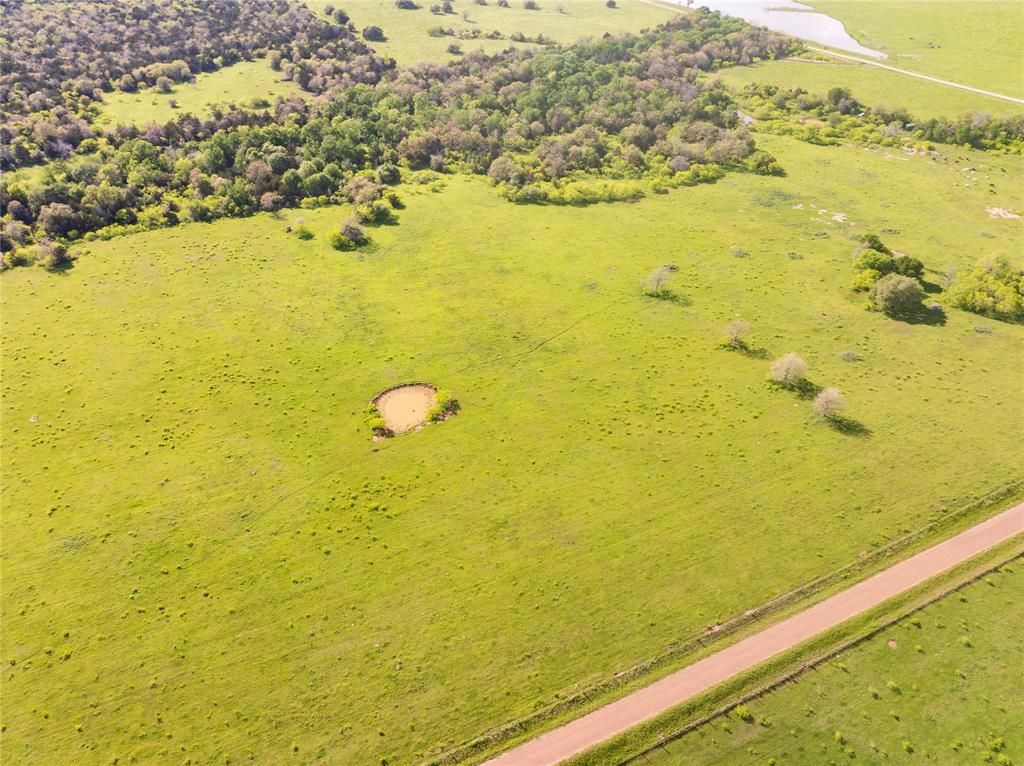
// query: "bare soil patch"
[[405, 407], [999, 212]]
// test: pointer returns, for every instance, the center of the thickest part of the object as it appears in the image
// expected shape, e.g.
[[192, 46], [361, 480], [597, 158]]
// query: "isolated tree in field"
[[829, 404], [896, 295], [656, 285], [611, 4], [736, 331], [340, 16], [373, 34], [788, 370]]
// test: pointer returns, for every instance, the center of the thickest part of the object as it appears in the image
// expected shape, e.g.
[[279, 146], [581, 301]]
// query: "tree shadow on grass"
[[744, 348], [848, 426], [669, 296], [933, 315], [804, 389]]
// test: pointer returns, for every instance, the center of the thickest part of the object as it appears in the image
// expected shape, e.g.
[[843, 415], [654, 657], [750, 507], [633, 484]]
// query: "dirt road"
[[616, 717], [947, 83]]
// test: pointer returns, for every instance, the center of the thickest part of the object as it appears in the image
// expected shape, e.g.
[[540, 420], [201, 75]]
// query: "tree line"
[[620, 107]]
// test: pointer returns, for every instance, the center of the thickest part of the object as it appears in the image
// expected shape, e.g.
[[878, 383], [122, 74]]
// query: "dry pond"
[[405, 407]]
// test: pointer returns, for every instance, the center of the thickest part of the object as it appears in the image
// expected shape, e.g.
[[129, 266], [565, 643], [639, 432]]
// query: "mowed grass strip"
[[239, 84], [564, 22], [206, 550], [941, 686]]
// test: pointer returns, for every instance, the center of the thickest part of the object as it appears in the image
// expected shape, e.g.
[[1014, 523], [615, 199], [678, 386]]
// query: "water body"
[[792, 18]]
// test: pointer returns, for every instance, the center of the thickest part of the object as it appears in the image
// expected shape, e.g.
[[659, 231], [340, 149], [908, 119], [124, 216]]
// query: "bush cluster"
[[446, 405], [838, 116], [376, 423], [876, 260], [994, 288]]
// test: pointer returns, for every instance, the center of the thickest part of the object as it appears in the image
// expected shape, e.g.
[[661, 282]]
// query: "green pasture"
[[973, 42], [870, 85], [238, 84], [941, 686], [565, 22], [207, 558]]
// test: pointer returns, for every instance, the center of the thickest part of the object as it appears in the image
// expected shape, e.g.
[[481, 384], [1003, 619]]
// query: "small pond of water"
[[792, 18]]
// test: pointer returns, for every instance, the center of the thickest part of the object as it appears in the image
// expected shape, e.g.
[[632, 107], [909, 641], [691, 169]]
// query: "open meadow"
[[408, 42], [241, 83], [207, 557], [975, 43], [940, 686]]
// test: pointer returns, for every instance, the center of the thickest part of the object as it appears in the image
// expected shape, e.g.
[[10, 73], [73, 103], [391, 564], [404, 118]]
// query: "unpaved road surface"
[[616, 717], [947, 83]]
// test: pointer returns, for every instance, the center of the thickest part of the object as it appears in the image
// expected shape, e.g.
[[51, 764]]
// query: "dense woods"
[[60, 58], [624, 107]]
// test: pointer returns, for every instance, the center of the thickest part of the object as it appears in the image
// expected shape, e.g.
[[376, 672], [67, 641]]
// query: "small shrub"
[[376, 212], [735, 333], [388, 173], [851, 356], [374, 34], [829, 404], [340, 242], [446, 406], [376, 423], [788, 370], [873, 242], [743, 713], [657, 283], [883, 263], [303, 232], [896, 295], [52, 256]]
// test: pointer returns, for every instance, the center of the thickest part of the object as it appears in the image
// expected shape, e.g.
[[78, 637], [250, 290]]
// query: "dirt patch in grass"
[[999, 212], [405, 407]]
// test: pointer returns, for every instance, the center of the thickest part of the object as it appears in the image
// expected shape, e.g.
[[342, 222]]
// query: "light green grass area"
[[870, 85], [941, 686], [975, 43], [236, 84], [565, 22], [208, 558]]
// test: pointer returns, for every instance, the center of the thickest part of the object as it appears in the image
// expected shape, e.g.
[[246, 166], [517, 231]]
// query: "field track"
[[616, 717], [947, 83]]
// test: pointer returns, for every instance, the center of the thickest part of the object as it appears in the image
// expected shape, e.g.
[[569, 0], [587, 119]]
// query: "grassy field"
[[870, 85], [408, 42], [976, 43], [236, 84], [941, 686], [207, 558]]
